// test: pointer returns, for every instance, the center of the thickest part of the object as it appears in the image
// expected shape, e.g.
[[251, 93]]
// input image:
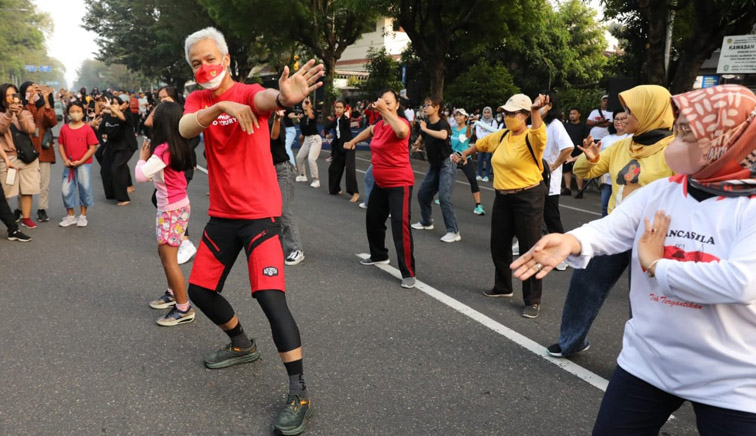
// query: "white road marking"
[[530, 345]]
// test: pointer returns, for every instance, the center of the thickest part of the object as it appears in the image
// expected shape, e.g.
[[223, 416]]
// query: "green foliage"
[[147, 36], [482, 85], [698, 29], [324, 27], [561, 48], [384, 74], [22, 35], [441, 31], [586, 99]]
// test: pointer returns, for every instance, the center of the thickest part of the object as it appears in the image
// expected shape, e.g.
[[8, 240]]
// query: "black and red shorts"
[[224, 238]]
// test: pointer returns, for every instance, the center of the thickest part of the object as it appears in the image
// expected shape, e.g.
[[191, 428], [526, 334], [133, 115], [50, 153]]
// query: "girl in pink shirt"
[[163, 161]]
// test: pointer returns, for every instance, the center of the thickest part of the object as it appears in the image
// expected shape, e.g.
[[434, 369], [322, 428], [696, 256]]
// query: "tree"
[[698, 30], [147, 36], [482, 85], [384, 74], [22, 35], [564, 48], [437, 28], [324, 27]]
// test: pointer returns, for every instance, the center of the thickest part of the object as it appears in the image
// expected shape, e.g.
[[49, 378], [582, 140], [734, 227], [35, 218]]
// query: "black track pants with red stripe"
[[395, 201]]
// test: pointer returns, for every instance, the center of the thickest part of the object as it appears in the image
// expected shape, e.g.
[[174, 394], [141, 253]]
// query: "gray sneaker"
[[408, 282], [531, 311], [230, 355]]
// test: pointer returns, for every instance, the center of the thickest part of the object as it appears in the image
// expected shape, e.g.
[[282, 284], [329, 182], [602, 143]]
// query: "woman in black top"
[[116, 127], [341, 158], [435, 136]]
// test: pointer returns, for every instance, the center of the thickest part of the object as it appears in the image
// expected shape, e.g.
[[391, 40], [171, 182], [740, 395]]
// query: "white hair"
[[201, 35]]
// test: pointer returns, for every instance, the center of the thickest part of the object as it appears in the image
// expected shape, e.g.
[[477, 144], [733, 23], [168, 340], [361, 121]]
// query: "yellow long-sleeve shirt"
[[629, 165], [513, 165]]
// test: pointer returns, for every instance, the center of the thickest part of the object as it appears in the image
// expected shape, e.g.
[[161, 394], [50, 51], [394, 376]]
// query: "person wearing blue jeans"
[[585, 296], [484, 166], [369, 183], [441, 181], [435, 135], [606, 193]]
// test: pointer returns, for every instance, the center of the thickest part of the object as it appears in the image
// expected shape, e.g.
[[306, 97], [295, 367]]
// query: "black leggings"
[[273, 303], [469, 171]]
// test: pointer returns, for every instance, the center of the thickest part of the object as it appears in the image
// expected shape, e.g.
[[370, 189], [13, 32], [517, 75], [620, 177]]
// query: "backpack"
[[544, 166]]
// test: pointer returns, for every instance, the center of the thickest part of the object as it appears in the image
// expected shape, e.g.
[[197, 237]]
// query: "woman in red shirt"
[[393, 186]]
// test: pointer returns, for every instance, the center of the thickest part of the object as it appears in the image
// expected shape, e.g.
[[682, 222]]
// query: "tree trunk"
[[656, 13], [330, 70], [436, 70]]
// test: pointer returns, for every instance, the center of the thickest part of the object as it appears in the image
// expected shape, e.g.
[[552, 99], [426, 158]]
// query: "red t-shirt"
[[390, 157], [243, 182], [76, 142], [134, 105]]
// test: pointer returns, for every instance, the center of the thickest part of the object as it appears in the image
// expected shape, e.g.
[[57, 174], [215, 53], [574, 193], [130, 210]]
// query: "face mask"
[[78, 116], [210, 76], [512, 123], [684, 157]]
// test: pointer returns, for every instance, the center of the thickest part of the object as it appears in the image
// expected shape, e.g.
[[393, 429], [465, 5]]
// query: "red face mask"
[[210, 75]]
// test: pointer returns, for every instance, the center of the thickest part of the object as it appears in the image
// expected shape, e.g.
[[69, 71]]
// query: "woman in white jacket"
[[693, 289]]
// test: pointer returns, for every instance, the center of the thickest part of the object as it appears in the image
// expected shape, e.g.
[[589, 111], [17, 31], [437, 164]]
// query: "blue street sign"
[[31, 68], [45, 68], [709, 81]]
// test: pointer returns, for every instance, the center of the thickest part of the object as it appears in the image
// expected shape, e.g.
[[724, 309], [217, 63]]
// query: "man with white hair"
[[245, 208]]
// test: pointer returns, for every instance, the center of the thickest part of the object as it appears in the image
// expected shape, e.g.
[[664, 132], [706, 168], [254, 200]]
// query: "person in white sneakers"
[[311, 143], [77, 144], [692, 336], [435, 137]]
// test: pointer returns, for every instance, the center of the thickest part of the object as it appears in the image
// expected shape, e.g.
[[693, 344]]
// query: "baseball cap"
[[605, 96], [461, 111], [517, 102]]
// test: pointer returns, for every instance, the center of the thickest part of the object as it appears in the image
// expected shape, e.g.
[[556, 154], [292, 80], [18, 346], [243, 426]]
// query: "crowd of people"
[[677, 176]]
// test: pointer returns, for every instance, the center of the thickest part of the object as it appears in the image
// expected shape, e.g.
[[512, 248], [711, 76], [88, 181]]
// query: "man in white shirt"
[[600, 119]]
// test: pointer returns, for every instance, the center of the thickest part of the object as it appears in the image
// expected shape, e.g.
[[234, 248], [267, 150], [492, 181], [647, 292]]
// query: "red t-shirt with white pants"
[[245, 200]]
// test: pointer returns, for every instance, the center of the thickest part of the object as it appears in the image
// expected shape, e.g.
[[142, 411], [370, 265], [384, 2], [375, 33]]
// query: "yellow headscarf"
[[650, 104]]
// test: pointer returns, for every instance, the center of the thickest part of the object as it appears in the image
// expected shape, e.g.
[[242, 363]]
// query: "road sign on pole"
[[738, 55]]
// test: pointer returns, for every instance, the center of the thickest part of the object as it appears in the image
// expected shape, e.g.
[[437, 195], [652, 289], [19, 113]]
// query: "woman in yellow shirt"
[[520, 192], [632, 163]]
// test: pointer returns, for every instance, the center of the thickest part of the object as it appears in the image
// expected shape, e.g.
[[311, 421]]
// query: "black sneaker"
[[579, 195], [18, 215], [556, 351], [42, 216], [293, 418], [494, 294], [531, 311], [18, 236], [565, 192], [230, 355]]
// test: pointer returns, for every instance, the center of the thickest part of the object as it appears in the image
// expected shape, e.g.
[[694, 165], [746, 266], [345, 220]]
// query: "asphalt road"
[[82, 355]]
